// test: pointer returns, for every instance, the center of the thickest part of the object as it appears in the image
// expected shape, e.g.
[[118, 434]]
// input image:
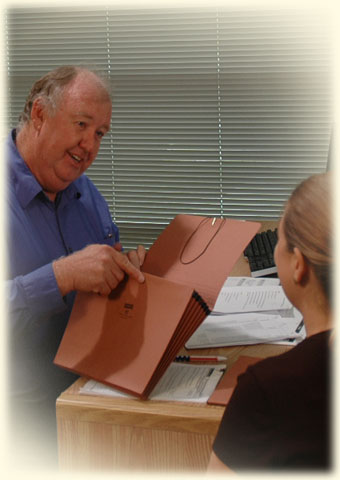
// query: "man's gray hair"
[[50, 87]]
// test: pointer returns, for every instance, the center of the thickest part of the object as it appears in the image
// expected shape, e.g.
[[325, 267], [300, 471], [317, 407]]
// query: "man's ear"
[[300, 266], [37, 113]]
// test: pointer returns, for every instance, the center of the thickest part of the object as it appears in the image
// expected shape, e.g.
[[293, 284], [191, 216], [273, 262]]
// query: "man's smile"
[[76, 158]]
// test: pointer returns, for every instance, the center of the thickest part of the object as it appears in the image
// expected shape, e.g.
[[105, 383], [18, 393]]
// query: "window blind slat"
[[217, 111]]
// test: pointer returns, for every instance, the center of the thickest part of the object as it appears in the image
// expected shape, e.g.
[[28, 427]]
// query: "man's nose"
[[87, 141]]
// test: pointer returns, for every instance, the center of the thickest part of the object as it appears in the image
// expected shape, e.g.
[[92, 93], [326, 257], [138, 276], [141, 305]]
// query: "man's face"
[[68, 141]]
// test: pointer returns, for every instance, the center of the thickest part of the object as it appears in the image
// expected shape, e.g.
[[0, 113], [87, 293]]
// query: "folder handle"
[[206, 247]]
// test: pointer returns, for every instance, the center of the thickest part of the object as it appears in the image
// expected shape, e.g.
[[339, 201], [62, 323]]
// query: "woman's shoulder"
[[309, 359], [311, 346]]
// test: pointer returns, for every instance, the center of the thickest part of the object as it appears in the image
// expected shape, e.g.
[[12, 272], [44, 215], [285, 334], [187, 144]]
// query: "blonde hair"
[[307, 225]]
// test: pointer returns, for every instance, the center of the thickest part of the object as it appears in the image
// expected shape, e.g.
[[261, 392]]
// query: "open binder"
[[128, 339]]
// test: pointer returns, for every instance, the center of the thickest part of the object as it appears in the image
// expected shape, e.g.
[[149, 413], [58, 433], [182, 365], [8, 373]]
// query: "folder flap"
[[120, 339], [196, 251]]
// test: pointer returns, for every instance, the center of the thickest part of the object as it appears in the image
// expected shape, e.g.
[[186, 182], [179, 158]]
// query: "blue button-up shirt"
[[38, 232]]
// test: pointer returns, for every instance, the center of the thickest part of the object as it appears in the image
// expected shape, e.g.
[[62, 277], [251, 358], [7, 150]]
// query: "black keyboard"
[[260, 254]]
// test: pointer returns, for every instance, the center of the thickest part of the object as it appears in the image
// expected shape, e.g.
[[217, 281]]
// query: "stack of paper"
[[181, 383], [249, 311]]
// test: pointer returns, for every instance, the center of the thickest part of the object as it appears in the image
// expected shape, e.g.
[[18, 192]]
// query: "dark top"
[[278, 415]]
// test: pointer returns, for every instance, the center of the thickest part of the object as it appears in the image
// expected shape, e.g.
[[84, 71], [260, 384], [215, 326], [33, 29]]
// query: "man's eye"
[[81, 124], [100, 134]]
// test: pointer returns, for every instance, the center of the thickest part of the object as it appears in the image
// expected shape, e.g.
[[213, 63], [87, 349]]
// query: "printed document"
[[243, 329], [248, 311], [181, 382], [251, 299], [250, 281]]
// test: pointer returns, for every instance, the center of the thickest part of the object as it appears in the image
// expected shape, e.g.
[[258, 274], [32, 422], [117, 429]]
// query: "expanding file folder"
[[128, 339]]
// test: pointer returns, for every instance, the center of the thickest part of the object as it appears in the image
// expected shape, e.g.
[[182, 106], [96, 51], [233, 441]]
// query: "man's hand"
[[96, 268], [136, 257]]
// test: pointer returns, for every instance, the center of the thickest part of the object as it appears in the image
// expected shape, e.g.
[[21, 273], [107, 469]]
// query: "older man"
[[61, 238]]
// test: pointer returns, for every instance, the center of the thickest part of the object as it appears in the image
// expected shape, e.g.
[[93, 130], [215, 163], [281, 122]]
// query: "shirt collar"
[[25, 184]]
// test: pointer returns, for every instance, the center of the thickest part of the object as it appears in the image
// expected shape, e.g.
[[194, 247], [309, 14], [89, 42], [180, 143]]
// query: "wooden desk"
[[101, 433]]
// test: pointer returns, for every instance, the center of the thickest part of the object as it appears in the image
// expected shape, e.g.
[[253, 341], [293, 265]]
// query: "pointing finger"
[[124, 263]]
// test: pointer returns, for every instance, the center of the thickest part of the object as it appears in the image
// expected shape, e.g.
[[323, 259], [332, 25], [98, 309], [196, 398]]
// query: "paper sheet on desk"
[[181, 382], [292, 312], [251, 299], [250, 281], [246, 329], [273, 325]]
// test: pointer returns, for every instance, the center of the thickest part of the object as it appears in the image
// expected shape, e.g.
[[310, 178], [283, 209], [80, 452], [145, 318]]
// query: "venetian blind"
[[217, 111]]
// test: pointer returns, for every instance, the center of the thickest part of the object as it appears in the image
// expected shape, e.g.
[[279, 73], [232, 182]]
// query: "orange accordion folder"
[[128, 339]]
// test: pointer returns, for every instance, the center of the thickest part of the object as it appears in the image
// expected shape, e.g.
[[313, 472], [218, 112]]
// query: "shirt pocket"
[[109, 229]]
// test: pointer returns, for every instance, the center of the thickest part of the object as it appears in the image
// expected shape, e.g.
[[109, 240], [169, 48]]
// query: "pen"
[[199, 358], [299, 327]]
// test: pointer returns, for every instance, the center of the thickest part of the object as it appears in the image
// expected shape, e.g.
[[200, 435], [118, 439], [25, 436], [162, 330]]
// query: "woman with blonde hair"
[[279, 415]]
